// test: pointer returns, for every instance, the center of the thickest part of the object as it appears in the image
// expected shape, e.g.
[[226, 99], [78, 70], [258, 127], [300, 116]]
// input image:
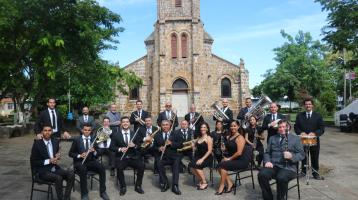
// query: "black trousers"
[[314, 153], [175, 163], [57, 177], [282, 176], [135, 164], [94, 166], [111, 156]]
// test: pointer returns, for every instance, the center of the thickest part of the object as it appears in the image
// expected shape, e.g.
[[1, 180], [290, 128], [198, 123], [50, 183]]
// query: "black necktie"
[[165, 137], [308, 115], [87, 144], [273, 117], [53, 120], [126, 138], [185, 136]]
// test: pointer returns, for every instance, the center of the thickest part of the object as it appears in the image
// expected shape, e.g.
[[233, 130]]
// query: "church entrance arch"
[[180, 99]]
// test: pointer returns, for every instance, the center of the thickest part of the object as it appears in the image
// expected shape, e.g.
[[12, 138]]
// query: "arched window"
[[177, 3], [225, 88], [180, 84], [184, 45], [174, 45], [134, 94]]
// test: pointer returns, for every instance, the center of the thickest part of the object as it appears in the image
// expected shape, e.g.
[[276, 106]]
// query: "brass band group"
[[234, 144]]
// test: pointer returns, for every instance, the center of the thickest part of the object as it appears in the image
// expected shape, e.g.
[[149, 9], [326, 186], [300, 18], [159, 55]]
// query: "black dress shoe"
[[139, 189], [104, 196], [112, 172], [318, 177], [122, 191], [164, 187], [175, 190]]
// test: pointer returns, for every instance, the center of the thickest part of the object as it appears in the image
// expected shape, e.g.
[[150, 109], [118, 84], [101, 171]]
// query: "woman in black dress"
[[218, 135], [253, 136], [238, 157], [203, 155]]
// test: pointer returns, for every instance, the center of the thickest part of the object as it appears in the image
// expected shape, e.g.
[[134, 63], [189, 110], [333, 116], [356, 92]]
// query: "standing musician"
[[310, 123], [218, 136], [283, 152], [125, 143], [166, 144], [203, 155], [45, 158], [81, 149], [188, 135], [225, 109], [85, 118], [104, 147], [146, 135], [271, 120], [168, 114], [238, 157], [243, 111], [253, 136], [53, 117], [114, 118], [137, 117], [194, 117]]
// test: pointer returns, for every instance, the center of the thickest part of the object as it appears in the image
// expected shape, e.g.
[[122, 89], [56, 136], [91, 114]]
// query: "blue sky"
[[241, 29]]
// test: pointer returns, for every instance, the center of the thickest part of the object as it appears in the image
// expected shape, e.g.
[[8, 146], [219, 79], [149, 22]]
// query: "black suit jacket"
[[45, 119], [230, 115], [143, 131], [132, 120], [315, 124], [78, 147], [198, 123], [241, 115], [191, 134], [118, 142], [162, 116], [39, 154], [267, 120], [171, 150], [81, 121]]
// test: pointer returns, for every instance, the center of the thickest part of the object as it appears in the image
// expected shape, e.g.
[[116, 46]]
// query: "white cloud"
[[310, 23]]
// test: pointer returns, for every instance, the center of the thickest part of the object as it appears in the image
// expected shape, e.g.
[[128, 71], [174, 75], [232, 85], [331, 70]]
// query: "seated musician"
[[253, 136], [104, 147], [280, 161], [238, 156], [202, 155], [81, 149], [218, 134], [127, 147], [45, 157], [146, 133], [165, 145], [188, 135]]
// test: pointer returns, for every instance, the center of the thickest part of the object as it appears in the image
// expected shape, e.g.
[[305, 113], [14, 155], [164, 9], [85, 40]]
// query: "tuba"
[[218, 113], [257, 111]]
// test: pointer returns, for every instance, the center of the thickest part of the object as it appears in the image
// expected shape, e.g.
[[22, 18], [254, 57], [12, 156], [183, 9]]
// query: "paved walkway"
[[339, 161]]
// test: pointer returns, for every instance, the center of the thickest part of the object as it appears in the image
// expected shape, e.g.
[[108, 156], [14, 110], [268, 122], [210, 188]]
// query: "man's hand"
[[58, 155], [124, 149], [287, 155], [168, 142], [66, 135], [312, 134], [92, 149], [161, 149], [39, 136], [148, 138], [273, 124], [131, 144], [303, 134], [220, 119], [269, 165], [83, 155]]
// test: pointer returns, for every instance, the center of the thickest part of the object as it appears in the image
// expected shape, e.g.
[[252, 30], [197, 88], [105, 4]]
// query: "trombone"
[[196, 121], [135, 134], [171, 130]]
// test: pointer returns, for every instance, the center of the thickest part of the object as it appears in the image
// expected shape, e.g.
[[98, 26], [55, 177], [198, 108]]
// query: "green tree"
[[42, 42]]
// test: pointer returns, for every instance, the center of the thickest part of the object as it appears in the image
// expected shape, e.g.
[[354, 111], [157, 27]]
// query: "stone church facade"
[[180, 67]]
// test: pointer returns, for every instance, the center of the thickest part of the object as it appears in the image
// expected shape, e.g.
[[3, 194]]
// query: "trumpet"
[[147, 143], [138, 119], [102, 135], [187, 145]]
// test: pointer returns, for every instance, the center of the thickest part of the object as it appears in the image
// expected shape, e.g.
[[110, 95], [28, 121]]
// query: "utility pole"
[[344, 77]]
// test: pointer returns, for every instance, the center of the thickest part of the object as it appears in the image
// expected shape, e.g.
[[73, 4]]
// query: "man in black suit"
[[168, 114], [104, 147], [243, 111], [271, 120], [138, 116], [194, 117], [228, 112], [53, 117], [125, 142], [81, 146], [45, 158], [147, 138], [310, 123], [284, 151], [165, 145], [188, 135], [85, 118]]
